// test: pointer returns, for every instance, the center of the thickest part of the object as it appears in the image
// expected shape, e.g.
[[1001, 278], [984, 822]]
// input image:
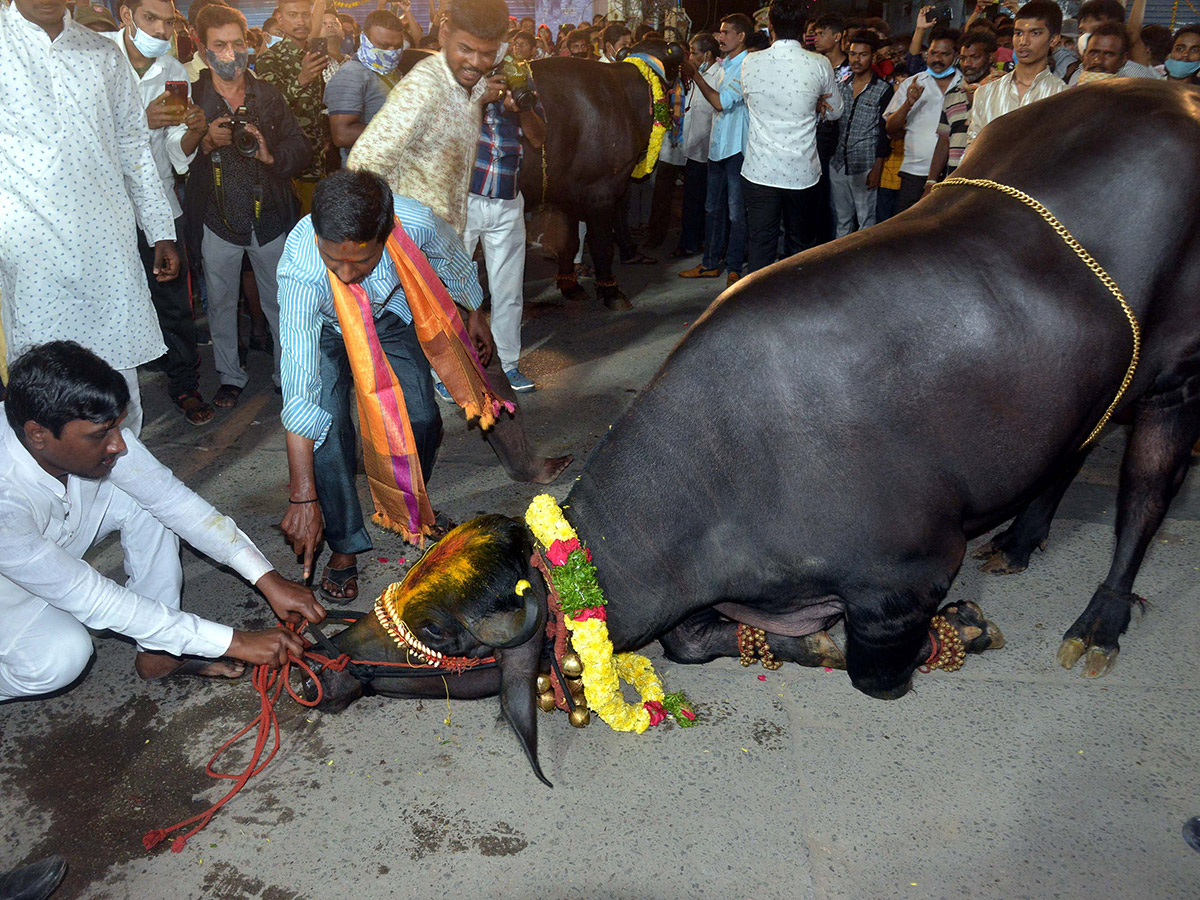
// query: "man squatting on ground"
[[70, 474]]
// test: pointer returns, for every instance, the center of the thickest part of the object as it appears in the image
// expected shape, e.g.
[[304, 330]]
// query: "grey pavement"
[[1009, 779]]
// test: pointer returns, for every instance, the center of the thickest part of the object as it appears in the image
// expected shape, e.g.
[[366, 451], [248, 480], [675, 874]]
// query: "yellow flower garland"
[[657, 130], [602, 669]]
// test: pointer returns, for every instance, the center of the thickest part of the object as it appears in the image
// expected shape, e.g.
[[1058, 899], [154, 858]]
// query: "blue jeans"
[[335, 462], [725, 212]]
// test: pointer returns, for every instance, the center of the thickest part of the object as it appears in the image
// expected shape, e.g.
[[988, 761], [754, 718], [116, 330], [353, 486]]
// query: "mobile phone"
[[943, 13], [178, 91], [319, 46]]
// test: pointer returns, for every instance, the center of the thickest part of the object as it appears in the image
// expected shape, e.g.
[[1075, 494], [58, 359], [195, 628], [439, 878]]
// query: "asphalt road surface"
[[1012, 778]]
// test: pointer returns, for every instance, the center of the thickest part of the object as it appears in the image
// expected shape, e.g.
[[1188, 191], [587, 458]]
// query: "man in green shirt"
[[298, 74]]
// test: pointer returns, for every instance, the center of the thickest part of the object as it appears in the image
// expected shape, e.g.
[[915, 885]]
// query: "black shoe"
[[1191, 832], [35, 881]]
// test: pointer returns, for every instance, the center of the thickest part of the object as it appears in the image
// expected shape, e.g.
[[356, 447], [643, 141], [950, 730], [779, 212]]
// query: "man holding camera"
[[496, 210], [239, 194], [296, 66], [176, 126]]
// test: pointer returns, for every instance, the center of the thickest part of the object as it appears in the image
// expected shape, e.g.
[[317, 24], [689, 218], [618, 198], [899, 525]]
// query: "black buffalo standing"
[[598, 123]]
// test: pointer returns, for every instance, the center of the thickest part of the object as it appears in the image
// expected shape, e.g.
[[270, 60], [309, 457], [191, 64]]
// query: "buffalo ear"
[[518, 674]]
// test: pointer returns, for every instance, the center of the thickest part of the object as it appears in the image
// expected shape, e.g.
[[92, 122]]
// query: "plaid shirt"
[[498, 154], [863, 138]]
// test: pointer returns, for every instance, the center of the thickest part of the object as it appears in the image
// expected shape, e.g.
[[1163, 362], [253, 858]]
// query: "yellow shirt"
[[890, 177]]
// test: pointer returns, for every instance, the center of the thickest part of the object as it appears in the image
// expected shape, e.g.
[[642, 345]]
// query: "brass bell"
[[580, 700], [575, 685], [572, 665], [543, 683], [546, 701], [580, 716]]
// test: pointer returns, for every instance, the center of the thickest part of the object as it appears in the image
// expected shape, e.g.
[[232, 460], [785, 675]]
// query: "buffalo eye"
[[433, 631]]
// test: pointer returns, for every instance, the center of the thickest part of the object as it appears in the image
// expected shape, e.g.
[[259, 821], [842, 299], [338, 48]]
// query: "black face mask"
[[583, 55]]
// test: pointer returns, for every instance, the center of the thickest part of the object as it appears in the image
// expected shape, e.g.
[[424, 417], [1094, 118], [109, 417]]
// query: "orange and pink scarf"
[[389, 450]]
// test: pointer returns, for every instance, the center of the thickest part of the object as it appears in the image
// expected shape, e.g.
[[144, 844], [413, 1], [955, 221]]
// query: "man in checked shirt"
[[496, 216]]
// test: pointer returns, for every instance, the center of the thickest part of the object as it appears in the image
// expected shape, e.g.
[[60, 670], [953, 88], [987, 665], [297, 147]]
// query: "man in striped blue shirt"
[[346, 235]]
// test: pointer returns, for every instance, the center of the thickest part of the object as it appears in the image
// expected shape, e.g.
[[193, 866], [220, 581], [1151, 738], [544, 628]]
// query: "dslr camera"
[[519, 81], [244, 142]]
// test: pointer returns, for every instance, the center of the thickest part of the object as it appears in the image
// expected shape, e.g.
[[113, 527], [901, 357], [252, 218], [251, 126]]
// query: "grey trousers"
[[223, 280], [853, 201]]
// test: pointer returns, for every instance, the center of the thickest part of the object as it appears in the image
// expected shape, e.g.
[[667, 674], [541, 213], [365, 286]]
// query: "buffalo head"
[[473, 595], [671, 55]]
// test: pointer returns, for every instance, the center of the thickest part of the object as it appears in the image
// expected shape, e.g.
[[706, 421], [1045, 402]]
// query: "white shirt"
[[782, 85], [40, 517], [697, 121], [165, 143], [920, 132], [74, 151], [994, 99]]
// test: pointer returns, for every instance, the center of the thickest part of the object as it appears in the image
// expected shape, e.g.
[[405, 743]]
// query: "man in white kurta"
[[75, 161], [60, 494]]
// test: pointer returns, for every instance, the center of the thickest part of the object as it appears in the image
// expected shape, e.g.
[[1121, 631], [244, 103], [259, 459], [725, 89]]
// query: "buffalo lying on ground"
[[831, 433]]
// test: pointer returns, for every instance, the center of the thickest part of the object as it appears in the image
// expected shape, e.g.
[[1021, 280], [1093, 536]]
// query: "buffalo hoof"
[[572, 290], [614, 298], [1096, 660], [814, 650], [1003, 556], [1094, 637], [975, 631]]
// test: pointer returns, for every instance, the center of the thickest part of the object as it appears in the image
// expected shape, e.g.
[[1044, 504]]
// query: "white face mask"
[[273, 39], [148, 45]]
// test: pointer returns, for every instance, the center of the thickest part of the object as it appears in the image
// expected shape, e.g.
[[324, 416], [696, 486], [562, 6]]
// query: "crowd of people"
[[153, 165]]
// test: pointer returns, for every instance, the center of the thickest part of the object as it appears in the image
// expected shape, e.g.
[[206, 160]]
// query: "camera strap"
[[256, 192]]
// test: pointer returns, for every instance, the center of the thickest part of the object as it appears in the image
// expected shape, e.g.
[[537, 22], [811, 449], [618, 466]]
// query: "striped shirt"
[[306, 304]]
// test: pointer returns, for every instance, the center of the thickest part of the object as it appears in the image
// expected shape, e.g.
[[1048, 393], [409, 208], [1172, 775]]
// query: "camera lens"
[[244, 142]]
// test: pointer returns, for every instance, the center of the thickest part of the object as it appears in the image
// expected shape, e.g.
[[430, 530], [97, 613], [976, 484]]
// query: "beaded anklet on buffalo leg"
[[752, 642]]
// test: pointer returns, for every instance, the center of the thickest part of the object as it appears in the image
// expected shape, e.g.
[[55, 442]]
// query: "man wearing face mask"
[[916, 109], [358, 90], [196, 64], [976, 58], [76, 179], [239, 195], [271, 33], [176, 126], [1183, 65]]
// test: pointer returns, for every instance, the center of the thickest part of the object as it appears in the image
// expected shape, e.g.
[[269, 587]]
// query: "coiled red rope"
[[269, 684]]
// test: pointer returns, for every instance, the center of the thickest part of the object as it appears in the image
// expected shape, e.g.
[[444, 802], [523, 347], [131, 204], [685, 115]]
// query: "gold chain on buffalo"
[[1088, 260]]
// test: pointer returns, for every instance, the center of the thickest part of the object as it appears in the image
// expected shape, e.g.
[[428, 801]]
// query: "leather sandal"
[[343, 581], [194, 409], [227, 396]]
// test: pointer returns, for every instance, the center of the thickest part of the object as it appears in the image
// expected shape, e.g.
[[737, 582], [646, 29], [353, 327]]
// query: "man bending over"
[[69, 476]]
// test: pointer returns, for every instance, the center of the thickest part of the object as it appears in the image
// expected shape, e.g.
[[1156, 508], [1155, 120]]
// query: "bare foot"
[[552, 468], [154, 666]]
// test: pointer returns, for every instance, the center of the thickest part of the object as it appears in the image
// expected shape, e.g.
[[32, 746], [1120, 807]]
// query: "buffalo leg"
[[1009, 551], [708, 635], [568, 280], [1156, 460], [600, 226]]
